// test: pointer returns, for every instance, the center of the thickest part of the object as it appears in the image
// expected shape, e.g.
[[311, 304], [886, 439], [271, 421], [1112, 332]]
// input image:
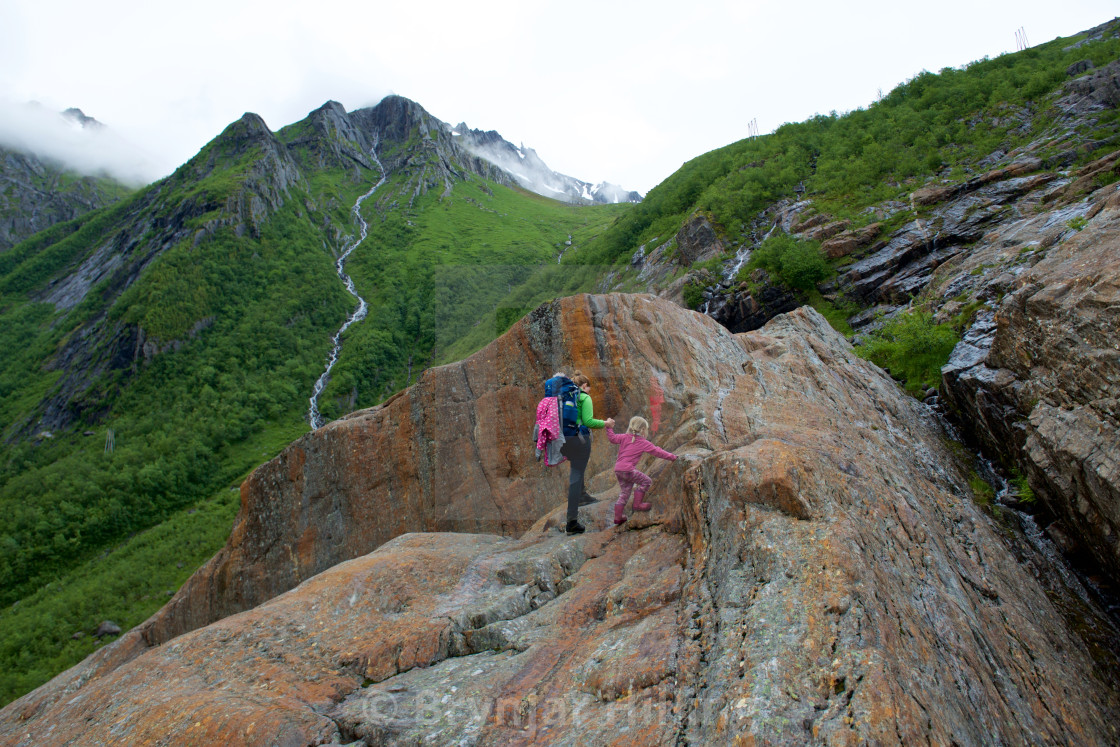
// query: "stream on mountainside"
[[313, 415]]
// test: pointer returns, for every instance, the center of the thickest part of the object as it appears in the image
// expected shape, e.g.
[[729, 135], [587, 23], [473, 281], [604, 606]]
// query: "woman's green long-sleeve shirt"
[[587, 412]]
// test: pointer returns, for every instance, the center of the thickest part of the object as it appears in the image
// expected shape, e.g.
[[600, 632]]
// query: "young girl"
[[631, 446]]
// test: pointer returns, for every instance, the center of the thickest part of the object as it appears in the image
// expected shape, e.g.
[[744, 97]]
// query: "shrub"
[[982, 493], [912, 347], [798, 264], [1023, 488], [693, 295]]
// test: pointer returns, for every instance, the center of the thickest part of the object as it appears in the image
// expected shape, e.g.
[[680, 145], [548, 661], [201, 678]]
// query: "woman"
[[578, 451]]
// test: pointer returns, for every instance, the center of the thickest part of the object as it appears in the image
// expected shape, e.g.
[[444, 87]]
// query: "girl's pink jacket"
[[630, 449]]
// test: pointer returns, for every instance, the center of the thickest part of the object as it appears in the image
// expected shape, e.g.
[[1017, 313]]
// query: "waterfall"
[[742, 256], [313, 416]]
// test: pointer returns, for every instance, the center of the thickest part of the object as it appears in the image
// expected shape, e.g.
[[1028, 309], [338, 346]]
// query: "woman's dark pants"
[[578, 451]]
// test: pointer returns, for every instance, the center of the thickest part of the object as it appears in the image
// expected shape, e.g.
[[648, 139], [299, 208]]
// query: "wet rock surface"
[[1038, 378], [813, 570]]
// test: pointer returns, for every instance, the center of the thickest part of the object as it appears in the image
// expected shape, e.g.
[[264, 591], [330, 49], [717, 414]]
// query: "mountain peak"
[[79, 117], [532, 173]]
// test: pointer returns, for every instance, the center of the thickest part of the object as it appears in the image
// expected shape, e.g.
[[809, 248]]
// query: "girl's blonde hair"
[[638, 426]]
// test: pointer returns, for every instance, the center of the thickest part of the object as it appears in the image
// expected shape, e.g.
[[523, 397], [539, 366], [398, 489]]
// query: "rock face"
[[1041, 373], [747, 309], [697, 240], [814, 570], [36, 194]]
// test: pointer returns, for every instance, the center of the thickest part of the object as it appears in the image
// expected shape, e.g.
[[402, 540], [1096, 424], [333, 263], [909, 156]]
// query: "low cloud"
[[90, 148]]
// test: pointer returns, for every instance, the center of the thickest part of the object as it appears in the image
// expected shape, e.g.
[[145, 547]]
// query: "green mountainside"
[[165, 346], [942, 123]]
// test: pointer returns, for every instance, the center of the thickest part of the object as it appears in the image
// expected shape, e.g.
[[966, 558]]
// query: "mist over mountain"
[[51, 170], [533, 174], [72, 140]]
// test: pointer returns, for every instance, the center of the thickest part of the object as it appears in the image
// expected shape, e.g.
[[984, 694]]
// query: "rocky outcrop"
[[1097, 91], [36, 194], [747, 308], [843, 244], [697, 240], [895, 270], [814, 570], [1037, 379]]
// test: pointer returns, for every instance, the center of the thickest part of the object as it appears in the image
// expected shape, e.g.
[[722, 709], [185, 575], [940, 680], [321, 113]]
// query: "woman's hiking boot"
[[574, 527], [639, 502], [586, 499]]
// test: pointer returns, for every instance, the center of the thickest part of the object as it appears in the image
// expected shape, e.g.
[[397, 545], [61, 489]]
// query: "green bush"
[[912, 347], [693, 294], [1078, 223], [1023, 488], [798, 264]]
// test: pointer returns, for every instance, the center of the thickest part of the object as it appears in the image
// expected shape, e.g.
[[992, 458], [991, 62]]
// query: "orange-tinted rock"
[[813, 570]]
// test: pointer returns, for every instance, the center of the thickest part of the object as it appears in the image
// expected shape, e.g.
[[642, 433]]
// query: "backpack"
[[567, 400]]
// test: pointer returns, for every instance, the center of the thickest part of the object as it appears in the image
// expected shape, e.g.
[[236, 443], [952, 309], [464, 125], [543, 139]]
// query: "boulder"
[[813, 570], [797, 223], [107, 627], [697, 240], [1081, 66], [827, 231]]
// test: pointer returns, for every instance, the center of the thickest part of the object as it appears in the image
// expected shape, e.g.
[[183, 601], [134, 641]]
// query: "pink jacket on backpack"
[[547, 434], [630, 449]]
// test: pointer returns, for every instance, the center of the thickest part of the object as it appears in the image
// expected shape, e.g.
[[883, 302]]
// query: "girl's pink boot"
[[639, 503], [619, 512]]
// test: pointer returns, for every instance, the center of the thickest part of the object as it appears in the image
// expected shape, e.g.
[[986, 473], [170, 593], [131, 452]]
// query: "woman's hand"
[[610, 423]]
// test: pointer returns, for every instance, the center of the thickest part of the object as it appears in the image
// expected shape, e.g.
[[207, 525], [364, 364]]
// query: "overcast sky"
[[604, 90]]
